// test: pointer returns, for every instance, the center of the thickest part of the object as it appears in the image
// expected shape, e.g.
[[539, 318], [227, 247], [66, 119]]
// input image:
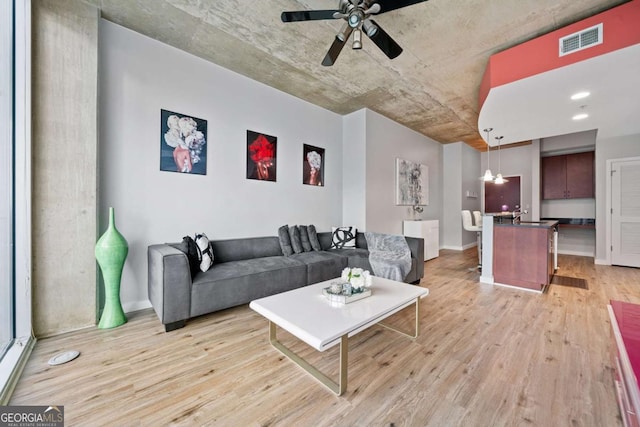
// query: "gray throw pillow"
[[304, 238], [313, 238], [285, 240], [294, 234]]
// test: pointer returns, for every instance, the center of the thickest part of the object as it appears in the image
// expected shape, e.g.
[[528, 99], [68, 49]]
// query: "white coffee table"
[[308, 315]]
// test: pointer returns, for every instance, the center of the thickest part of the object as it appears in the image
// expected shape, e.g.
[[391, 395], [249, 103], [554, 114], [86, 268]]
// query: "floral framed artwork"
[[261, 156], [412, 183], [183, 143], [312, 165]]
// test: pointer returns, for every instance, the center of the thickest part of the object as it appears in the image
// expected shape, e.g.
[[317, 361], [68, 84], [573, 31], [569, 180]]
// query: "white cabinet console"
[[429, 231]]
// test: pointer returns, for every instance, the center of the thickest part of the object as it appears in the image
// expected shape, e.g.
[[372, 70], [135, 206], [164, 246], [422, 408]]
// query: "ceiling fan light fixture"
[[370, 28], [342, 35], [376, 8], [357, 39], [355, 18]]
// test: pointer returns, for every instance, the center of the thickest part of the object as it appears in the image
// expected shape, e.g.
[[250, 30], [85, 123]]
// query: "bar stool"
[[468, 225], [477, 218]]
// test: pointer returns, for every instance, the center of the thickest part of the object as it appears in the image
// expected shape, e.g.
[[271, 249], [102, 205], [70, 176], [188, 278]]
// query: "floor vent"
[[581, 40]]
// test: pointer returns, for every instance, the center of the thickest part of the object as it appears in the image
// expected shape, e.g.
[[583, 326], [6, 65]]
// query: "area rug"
[[569, 281]]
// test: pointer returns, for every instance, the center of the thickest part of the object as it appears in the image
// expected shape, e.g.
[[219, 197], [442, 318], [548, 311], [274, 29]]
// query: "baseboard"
[[487, 280], [469, 246], [451, 248], [12, 366], [460, 248], [130, 307], [598, 261], [576, 253], [520, 288]]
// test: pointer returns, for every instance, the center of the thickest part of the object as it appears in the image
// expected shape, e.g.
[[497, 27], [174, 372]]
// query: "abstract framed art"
[[312, 165], [262, 156], [412, 183], [183, 143]]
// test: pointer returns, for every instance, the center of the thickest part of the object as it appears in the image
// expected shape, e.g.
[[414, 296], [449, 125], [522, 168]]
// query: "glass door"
[[6, 176]]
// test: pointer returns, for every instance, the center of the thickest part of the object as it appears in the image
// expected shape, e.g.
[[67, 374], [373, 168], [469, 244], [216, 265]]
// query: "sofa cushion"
[[240, 282], [355, 257], [304, 238], [313, 238], [285, 240], [321, 265], [245, 248], [296, 243]]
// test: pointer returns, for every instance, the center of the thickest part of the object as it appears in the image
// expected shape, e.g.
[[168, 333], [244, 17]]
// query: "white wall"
[[354, 167], [516, 162], [569, 143], [387, 140], [535, 180], [469, 179], [451, 227], [606, 149], [138, 77], [461, 173]]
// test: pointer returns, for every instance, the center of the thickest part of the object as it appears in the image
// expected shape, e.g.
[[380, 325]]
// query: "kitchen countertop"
[[574, 222], [529, 224]]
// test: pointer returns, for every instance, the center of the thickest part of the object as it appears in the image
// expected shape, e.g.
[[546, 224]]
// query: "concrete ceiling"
[[431, 88]]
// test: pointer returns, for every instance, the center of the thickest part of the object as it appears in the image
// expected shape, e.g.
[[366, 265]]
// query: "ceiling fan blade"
[[336, 47], [308, 15], [387, 5], [385, 42]]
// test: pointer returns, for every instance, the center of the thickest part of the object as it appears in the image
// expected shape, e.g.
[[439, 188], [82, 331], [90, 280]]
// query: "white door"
[[625, 213]]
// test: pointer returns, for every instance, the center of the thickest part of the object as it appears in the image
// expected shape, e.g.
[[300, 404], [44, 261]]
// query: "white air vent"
[[581, 40]]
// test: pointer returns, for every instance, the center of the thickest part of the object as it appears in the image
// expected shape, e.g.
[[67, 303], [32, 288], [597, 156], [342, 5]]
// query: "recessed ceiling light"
[[580, 95], [580, 116]]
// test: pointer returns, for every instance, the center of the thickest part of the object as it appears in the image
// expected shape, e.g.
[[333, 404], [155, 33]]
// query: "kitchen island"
[[519, 254]]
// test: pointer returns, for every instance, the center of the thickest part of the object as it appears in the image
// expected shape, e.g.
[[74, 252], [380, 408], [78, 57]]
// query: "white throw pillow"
[[343, 237], [205, 251]]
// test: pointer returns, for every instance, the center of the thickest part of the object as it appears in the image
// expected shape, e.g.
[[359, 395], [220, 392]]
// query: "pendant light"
[[499, 179], [488, 175]]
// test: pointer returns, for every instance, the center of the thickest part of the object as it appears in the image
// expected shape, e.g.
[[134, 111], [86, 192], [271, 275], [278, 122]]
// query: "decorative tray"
[[345, 299]]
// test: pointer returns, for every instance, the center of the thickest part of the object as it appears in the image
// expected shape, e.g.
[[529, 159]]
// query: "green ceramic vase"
[[111, 252]]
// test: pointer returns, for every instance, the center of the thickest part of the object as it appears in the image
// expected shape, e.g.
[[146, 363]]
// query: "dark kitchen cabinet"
[[570, 176]]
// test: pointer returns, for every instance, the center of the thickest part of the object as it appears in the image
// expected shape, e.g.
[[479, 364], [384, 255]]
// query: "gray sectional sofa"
[[247, 269]]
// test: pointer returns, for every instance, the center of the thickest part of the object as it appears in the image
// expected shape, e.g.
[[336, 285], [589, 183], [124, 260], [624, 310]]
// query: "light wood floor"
[[486, 356]]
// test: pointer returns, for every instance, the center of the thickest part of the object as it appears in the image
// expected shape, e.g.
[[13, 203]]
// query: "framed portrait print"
[[262, 156], [183, 143], [312, 165]]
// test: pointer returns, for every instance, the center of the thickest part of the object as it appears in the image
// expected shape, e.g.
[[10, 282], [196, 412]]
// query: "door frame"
[[609, 204]]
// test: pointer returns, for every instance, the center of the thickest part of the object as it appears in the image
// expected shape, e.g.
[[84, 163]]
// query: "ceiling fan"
[[357, 14]]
